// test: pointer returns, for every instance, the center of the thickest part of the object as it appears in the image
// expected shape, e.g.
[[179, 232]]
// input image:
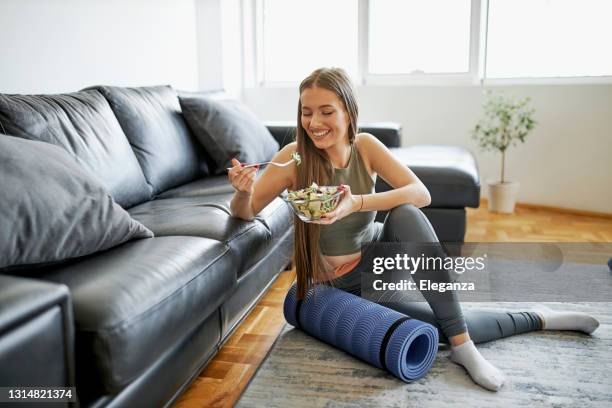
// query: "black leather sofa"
[[134, 325]]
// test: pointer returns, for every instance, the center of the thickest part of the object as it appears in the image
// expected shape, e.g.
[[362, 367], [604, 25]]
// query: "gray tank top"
[[346, 236]]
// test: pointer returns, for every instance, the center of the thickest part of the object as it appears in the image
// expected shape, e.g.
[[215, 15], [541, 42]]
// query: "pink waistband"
[[345, 268]]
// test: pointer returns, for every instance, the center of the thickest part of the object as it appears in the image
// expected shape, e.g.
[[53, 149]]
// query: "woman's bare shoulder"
[[365, 139], [368, 146], [287, 150]]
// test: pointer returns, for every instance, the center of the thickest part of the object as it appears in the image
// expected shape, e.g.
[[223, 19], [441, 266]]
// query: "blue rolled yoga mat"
[[376, 334]]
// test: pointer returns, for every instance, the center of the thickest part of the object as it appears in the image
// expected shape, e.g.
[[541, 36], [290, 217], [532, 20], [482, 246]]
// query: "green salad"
[[314, 201], [296, 157]]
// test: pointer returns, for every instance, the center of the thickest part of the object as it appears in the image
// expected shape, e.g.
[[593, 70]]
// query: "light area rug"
[[544, 368]]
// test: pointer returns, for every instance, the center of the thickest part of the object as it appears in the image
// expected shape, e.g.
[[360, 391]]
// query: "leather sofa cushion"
[[152, 121], [136, 301], [52, 209], [209, 216], [228, 129], [202, 187], [84, 125], [449, 172]]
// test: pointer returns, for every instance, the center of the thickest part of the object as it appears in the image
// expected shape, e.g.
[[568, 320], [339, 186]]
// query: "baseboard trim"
[[484, 201]]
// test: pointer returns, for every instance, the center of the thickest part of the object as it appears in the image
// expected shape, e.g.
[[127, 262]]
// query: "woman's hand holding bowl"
[[347, 205]]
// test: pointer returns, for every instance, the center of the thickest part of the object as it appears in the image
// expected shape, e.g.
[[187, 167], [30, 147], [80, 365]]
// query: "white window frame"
[[258, 13], [475, 76], [471, 77], [566, 80]]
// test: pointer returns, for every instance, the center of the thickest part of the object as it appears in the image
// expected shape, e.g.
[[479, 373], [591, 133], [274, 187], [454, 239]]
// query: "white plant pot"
[[502, 197]]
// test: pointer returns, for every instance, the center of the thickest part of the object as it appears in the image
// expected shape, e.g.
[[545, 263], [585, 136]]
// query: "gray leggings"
[[406, 223]]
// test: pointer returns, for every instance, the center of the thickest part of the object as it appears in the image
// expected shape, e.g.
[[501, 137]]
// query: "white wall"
[[209, 45], [566, 161], [219, 45], [64, 45]]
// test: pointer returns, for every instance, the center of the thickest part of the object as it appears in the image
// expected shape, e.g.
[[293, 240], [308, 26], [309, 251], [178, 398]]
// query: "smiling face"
[[324, 117]]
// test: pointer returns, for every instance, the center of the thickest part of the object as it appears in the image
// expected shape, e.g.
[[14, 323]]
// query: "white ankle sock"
[[578, 321], [482, 372]]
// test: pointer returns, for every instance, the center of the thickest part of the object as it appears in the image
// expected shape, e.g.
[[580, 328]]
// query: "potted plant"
[[506, 122]]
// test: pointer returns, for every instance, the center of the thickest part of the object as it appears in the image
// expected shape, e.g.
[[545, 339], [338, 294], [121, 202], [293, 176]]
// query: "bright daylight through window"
[[544, 38], [431, 38], [299, 37], [415, 36]]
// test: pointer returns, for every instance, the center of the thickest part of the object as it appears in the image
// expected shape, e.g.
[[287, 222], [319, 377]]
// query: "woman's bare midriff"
[[332, 262]]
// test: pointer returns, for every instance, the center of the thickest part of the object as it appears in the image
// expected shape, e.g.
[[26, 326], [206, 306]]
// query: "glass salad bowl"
[[310, 203]]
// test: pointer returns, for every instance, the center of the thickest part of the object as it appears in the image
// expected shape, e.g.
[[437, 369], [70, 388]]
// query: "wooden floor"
[[529, 224], [228, 374], [226, 377]]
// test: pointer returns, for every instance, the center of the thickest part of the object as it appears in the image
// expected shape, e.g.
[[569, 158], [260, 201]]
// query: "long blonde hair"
[[316, 167]]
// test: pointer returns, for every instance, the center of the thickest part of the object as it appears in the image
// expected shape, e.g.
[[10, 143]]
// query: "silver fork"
[[264, 163]]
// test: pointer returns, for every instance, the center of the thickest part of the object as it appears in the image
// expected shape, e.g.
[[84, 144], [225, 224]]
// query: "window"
[[545, 38], [298, 37], [417, 36], [432, 42]]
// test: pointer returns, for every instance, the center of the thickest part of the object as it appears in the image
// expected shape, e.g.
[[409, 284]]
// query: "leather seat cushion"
[[201, 187], [133, 302], [449, 172], [210, 217]]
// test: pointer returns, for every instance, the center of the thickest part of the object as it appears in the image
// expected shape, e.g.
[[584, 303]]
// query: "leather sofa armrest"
[[390, 133], [283, 132], [36, 333]]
